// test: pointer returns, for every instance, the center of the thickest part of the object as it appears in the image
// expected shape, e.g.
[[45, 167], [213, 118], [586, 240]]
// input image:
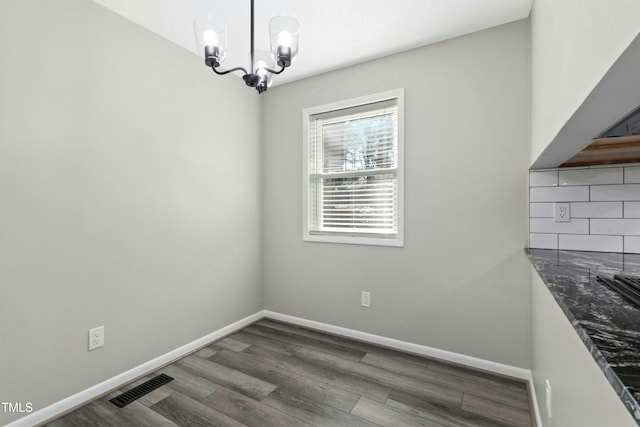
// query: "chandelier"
[[211, 41]]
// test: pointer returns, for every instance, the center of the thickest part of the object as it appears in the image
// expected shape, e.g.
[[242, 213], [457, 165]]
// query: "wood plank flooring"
[[276, 374]]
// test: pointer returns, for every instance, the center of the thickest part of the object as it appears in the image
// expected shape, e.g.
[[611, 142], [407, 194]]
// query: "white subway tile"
[[591, 176], [632, 209], [618, 165], [541, 210], [631, 245], [576, 242], [623, 227], [621, 192], [631, 175], [596, 210], [548, 225], [543, 178], [543, 241], [559, 194]]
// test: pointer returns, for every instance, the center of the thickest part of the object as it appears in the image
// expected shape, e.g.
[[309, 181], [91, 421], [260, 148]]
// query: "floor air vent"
[[137, 392]]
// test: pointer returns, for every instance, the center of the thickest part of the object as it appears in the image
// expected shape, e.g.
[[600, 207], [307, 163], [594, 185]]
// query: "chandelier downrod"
[[252, 35]]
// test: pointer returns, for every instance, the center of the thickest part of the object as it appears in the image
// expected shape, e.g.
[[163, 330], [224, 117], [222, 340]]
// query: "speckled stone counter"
[[607, 324]]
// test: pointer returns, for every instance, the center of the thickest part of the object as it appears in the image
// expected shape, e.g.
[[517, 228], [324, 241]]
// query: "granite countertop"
[[607, 323]]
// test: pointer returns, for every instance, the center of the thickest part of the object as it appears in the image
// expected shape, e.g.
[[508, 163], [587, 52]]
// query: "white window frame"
[[346, 237]]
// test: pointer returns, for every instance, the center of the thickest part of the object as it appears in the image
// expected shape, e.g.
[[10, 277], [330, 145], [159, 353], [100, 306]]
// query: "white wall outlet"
[[548, 397], [562, 212], [365, 299], [96, 338]]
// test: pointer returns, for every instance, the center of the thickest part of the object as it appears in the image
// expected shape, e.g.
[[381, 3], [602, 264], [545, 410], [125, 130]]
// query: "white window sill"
[[354, 240]]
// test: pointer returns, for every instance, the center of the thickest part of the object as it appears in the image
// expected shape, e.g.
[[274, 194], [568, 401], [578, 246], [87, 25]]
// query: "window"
[[353, 171]]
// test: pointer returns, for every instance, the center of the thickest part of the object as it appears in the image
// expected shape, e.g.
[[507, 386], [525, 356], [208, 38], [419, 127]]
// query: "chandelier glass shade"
[[211, 42]]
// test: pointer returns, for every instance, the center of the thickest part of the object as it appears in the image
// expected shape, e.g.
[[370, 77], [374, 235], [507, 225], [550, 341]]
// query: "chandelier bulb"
[[261, 68], [285, 38], [210, 38]]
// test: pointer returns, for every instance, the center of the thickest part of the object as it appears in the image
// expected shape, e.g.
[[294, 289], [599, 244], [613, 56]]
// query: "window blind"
[[353, 170]]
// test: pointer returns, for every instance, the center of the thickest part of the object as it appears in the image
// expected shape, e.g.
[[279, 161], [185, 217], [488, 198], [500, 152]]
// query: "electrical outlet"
[[548, 398], [96, 338], [562, 212], [365, 299]]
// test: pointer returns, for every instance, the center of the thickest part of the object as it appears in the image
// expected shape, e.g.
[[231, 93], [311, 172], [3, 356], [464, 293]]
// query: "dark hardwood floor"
[[276, 374]]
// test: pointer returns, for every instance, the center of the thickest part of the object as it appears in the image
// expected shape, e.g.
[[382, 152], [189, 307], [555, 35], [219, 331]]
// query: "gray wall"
[[129, 198], [581, 395], [573, 44], [460, 283]]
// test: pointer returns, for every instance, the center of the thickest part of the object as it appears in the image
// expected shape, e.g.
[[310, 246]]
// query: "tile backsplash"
[[604, 208]]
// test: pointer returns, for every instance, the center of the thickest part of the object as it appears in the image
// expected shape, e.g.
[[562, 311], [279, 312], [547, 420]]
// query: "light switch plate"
[[96, 338], [548, 397], [365, 299]]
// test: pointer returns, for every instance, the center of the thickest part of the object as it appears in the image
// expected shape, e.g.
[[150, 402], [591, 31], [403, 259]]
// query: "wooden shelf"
[[606, 151]]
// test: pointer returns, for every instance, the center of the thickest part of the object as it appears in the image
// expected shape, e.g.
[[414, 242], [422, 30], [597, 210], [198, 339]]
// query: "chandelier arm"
[[222, 73], [275, 72]]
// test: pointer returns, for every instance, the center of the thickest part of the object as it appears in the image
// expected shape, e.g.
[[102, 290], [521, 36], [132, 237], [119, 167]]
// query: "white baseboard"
[[474, 362], [534, 401], [113, 383]]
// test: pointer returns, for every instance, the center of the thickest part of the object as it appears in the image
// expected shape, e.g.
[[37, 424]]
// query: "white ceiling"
[[334, 33]]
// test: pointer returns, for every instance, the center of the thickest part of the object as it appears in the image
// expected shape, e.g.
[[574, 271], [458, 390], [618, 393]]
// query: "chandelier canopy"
[[211, 41]]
